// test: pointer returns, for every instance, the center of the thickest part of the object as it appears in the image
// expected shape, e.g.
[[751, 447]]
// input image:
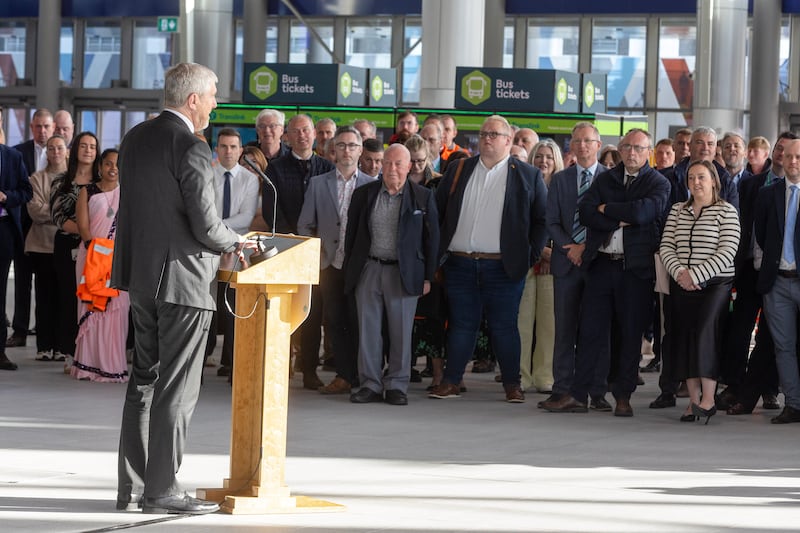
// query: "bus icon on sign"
[[263, 82], [476, 87]]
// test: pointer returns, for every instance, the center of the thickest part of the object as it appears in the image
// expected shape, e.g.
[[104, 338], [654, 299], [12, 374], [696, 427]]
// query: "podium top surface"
[[297, 261]]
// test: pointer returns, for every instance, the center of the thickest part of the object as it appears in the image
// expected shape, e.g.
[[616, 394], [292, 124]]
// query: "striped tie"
[[579, 231]]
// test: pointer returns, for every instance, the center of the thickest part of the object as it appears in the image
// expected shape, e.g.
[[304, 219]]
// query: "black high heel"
[[700, 412], [689, 418]]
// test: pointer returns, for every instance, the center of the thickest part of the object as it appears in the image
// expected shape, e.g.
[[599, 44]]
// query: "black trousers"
[[67, 324], [23, 276], [223, 323], [340, 314], [47, 301]]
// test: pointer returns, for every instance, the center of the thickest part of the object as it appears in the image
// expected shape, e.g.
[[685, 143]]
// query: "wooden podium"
[[260, 378]]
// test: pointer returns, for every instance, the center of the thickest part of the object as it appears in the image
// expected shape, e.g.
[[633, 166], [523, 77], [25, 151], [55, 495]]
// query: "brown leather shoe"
[[15, 341], [445, 391], [337, 386], [514, 393], [623, 407], [566, 404], [312, 382]]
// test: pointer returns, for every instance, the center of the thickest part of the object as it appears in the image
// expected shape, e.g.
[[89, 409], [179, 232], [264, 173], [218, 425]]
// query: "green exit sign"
[[168, 24]]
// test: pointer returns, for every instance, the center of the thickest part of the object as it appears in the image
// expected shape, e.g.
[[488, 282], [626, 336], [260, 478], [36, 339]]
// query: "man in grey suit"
[[569, 242], [169, 238], [324, 215]]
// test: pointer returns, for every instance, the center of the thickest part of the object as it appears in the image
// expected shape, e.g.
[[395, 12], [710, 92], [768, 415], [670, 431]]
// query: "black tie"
[[226, 196]]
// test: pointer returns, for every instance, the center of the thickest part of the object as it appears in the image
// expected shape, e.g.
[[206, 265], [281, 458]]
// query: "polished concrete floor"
[[462, 465]]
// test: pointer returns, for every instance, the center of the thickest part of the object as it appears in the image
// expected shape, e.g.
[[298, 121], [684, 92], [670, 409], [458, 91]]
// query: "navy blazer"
[[770, 219], [16, 186], [562, 203], [749, 186], [417, 236], [641, 205], [522, 230]]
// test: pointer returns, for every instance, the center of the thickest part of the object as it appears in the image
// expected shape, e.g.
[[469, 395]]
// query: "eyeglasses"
[[269, 126], [347, 146], [585, 141], [635, 147], [418, 161], [491, 134]]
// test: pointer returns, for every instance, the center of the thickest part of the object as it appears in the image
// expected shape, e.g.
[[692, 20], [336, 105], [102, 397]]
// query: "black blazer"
[[29, 159], [522, 230], [16, 186], [749, 186], [770, 218], [287, 174], [417, 236]]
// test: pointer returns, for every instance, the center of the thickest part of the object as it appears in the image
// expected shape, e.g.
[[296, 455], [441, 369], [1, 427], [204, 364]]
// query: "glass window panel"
[[101, 55], [676, 59], [618, 50], [132, 118], [152, 55], [552, 45], [271, 55], [12, 53], [88, 121], [304, 46], [369, 43], [66, 45], [508, 44], [412, 62], [784, 59], [111, 126], [16, 121]]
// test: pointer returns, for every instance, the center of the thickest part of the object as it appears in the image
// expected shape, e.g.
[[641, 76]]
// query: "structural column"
[[209, 38], [255, 32], [48, 38], [452, 36], [494, 33], [764, 63], [719, 64]]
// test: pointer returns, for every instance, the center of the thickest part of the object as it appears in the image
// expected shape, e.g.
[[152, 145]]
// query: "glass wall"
[[508, 44], [618, 50], [271, 55], [552, 45], [12, 53], [66, 46], [152, 55], [412, 62], [369, 43], [304, 46], [101, 55]]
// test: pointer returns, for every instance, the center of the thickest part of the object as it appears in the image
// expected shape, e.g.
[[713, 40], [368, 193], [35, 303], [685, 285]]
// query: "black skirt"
[[697, 324]]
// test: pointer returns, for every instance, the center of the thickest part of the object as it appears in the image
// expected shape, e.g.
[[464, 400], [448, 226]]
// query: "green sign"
[[309, 84], [167, 24], [382, 87], [528, 90], [594, 93]]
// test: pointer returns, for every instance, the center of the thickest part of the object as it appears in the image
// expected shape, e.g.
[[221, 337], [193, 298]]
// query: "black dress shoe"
[[787, 416], [652, 366], [623, 408], [396, 397], [133, 502], [664, 400], [567, 404], [553, 398], [770, 402], [183, 504], [15, 341], [725, 399], [6, 363], [416, 377], [600, 404], [224, 370], [365, 395]]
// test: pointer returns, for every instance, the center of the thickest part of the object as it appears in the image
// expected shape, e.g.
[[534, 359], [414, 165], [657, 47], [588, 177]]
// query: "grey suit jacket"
[[320, 214], [562, 201], [169, 235]]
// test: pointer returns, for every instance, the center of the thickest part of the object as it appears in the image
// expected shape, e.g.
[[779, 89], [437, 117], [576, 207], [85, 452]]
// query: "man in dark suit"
[[34, 155], [15, 192], [166, 256], [622, 213], [391, 251], [569, 242], [493, 230], [777, 233], [290, 174], [324, 215]]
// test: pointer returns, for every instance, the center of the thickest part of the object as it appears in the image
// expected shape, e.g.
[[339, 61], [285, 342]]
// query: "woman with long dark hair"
[[81, 171]]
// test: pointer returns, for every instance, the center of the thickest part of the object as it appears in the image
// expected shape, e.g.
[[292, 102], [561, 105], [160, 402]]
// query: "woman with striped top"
[[698, 246]]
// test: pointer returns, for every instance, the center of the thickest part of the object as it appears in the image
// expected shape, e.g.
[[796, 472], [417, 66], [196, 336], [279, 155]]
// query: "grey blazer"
[[320, 214], [169, 235], [562, 201]]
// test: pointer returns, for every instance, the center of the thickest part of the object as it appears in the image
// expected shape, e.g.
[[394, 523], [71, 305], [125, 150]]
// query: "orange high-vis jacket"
[[94, 288]]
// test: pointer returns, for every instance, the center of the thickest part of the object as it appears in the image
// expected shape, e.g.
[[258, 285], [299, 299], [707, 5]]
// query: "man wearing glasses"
[[269, 127], [493, 230], [324, 215], [622, 214]]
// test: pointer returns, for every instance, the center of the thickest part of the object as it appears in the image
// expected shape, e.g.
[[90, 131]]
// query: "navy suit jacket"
[[770, 220], [522, 230], [417, 236], [16, 186], [562, 202], [749, 186], [641, 205]]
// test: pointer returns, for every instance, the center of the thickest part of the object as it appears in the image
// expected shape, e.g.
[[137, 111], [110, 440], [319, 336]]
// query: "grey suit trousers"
[[380, 289], [162, 393]]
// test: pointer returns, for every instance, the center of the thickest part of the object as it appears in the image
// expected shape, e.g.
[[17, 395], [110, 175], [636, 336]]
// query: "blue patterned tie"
[[226, 196], [579, 231], [791, 221]]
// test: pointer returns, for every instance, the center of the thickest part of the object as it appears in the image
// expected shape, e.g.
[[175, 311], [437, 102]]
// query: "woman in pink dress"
[[100, 344]]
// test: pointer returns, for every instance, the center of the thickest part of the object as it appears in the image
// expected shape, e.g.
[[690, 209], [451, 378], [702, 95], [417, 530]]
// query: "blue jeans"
[[475, 286]]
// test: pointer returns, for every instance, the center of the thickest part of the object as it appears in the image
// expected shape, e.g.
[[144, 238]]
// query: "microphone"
[[266, 179], [263, 253]]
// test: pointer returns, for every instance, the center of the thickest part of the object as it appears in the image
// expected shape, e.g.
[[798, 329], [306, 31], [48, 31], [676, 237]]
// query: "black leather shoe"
[[567, 404], [133, 502], [623, 408], [652, 366], [664, 400], [396, 397], [365, 395], [600, 404], [416, 377], [770, 402], [224, 370], [6, 363], [725, 399], [787, 416], [553, 398], [183, 504], [15, 341]]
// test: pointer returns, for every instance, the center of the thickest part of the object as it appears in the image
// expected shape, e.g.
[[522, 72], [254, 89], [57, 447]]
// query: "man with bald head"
[[391, 256], [64, 125], [526, 138]]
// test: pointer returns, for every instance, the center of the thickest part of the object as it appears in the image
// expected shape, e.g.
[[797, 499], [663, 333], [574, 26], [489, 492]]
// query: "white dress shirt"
[[244, 196]]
